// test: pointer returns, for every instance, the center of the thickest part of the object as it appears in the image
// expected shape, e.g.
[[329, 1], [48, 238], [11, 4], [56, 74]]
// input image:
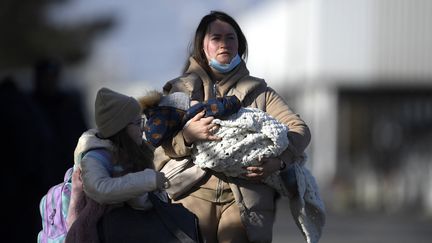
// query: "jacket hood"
[[89, 141]]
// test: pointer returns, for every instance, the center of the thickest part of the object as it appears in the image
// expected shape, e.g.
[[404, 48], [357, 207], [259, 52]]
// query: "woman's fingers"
[[254, 173], [200, 128], [214, 138], [207, 120], [255, 169], [198, 116], [270, 165], [76, 178], [267, 167], [212, 127]]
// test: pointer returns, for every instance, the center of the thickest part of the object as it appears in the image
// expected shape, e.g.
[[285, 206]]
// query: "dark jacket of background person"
[[24, 150], [62, 114]]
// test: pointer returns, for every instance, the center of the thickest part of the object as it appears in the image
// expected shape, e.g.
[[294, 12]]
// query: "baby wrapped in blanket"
[[248, 134]]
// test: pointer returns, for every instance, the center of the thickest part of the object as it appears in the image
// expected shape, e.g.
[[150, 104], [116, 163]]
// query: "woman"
[[116, 166], [229, 209]]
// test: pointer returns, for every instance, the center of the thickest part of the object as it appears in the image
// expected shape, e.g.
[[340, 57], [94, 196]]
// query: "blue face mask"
[[224, 68]]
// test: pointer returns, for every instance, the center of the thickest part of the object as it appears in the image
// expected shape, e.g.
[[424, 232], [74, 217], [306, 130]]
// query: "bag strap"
[[165, 218]]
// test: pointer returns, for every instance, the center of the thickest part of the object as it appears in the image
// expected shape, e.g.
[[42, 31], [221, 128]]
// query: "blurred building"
[[360, 73]]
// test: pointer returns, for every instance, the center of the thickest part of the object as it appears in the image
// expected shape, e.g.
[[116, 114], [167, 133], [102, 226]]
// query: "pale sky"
[[150, 41]]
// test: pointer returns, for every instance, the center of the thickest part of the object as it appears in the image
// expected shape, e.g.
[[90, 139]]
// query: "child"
[[116, 166]]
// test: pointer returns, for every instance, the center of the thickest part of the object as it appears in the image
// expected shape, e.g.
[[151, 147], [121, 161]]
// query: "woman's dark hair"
[[129, 155], [196, 48]]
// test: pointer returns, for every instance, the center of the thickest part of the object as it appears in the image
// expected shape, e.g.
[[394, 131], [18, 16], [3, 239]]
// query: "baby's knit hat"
[[165, 115], [177, 100], [114, 111]]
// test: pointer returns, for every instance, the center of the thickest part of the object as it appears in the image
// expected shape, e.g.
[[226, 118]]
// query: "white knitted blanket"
[[247, 136], [250, 135], [307, 209]]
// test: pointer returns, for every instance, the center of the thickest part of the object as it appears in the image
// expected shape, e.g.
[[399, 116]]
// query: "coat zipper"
[[214, 90]]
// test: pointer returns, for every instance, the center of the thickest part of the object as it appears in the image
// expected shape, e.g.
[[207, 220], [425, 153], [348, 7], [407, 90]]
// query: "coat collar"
[[237, 82]]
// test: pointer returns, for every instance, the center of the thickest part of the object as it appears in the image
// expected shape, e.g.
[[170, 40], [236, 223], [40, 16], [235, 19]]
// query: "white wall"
[[315, 46], [340, 39]]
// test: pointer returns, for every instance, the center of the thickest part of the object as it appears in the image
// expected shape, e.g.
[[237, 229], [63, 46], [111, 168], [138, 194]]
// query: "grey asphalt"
[[357, 227]]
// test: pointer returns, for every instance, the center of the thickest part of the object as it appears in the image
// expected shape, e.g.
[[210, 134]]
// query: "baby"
[[248, 134]]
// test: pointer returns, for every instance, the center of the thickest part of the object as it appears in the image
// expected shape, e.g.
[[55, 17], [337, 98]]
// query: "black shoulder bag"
[[164, 223]]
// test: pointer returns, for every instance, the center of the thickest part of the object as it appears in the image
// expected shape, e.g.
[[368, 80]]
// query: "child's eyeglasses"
[[139, 122]]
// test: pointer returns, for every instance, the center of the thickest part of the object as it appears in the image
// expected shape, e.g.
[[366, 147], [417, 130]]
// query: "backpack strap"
[[68, 175]]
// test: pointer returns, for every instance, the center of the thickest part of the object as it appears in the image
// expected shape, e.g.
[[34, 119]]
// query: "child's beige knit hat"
[[114, 111]]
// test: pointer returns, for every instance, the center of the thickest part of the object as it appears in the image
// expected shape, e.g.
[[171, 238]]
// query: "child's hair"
[[129, 155]]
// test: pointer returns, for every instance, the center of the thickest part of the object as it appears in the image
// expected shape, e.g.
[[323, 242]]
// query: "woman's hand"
[[199, 128], [77, 191], [77, 184], [268, 166]]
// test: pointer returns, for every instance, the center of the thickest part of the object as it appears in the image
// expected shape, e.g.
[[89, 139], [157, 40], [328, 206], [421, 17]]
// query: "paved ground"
[[358, 228]]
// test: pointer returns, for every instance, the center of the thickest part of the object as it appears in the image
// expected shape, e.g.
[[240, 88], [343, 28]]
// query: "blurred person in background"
[[63, 115], [24, 151]]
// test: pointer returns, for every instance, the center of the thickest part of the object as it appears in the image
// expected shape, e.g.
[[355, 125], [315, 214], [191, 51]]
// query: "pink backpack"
[[54, 209], [54, 206]]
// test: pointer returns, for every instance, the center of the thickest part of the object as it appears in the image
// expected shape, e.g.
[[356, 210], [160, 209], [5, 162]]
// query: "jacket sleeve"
[[101, 187], [298, 132], [176, 147]]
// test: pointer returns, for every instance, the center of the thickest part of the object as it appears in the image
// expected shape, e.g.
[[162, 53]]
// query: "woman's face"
[[220, 42], [135, 130]]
